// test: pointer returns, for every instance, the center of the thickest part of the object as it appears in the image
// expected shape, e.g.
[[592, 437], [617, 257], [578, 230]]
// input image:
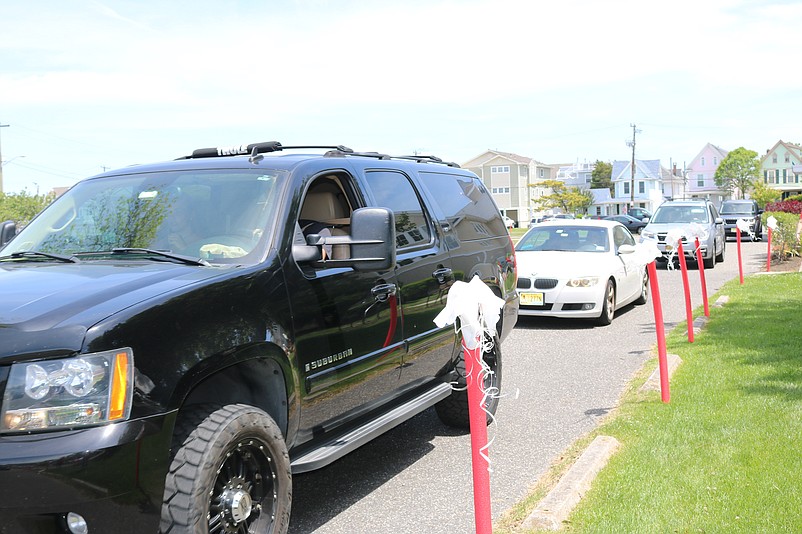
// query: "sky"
[[91, 85]]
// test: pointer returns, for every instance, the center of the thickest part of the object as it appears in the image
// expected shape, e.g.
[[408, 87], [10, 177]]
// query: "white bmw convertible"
[[579, 268]]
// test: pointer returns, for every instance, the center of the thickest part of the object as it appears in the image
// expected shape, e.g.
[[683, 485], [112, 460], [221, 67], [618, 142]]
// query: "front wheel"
[[453, 410], [230, 474], [608, 305], [644, 289]]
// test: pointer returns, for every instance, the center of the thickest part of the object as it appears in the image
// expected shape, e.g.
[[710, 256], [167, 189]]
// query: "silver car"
[[681, 215]]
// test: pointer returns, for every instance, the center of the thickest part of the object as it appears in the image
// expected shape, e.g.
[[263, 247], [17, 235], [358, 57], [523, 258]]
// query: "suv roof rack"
[[254, 149]]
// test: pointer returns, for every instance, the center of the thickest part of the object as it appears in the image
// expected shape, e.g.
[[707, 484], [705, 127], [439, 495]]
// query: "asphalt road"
[[559, 378]]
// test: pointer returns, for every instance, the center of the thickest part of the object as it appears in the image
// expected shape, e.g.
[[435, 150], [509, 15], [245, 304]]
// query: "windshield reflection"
[[221, 217]]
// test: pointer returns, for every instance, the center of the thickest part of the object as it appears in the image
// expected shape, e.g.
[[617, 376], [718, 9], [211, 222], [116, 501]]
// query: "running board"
[[340, 445]]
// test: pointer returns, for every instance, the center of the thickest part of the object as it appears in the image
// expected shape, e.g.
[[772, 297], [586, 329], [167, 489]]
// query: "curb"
[[560, 501], [653, 382]]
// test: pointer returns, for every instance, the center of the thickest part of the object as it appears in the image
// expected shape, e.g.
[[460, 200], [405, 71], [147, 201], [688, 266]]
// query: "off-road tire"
[[220, 455], [453, 410]]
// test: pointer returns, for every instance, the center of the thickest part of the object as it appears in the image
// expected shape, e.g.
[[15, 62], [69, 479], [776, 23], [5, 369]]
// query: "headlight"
[[90, 389], [586, 281]]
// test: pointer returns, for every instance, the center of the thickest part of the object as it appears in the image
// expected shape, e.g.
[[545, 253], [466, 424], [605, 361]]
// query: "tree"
[[602, 176], [569, 199], [764, 194], [737, 172], [22, 207]]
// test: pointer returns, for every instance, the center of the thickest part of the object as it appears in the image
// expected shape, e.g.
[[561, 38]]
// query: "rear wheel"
[[230, 474], [453, 410], [644, 289], [608, 305]]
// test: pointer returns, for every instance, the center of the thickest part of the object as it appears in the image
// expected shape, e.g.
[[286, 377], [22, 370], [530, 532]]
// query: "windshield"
[[681, 214], [219, 216], [743, 208], [558, 238]]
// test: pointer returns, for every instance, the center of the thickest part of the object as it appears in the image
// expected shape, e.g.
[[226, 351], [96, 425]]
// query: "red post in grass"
[[684, 268], [478, 424], [740, 262], [768, 255], [700, 261], [660, 330]]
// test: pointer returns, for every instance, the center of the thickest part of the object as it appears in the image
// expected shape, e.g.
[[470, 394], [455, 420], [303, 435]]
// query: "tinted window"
[[468, 207], [394, 190]]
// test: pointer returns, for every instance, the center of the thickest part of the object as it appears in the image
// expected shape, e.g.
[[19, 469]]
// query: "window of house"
[[703, 161], [626, 188], [498, 169], [787, 158], [715, 160], [641, 187], [700, 180], [523, 171], [774, 158], [542, 173]]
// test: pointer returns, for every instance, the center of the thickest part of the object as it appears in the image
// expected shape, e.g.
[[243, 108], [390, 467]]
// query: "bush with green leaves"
[[22, 207], [785, 238]]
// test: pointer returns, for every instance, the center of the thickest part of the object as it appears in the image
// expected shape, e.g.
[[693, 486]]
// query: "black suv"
[[732, 210], [177, 339]]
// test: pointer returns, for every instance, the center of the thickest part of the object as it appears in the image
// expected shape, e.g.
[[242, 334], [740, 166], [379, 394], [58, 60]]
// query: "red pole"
[[740, 263], [768, 256], [701, 262], [478, 425], [660, 330], [684, 268]]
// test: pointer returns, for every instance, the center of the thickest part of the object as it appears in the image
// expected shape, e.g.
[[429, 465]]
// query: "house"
[[647, 187], [782, 168], [701, 173], [603, 203], [576, 174], [512, 181]]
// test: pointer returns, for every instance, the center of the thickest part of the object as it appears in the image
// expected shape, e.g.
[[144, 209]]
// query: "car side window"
[[621, 236], [394, 190]]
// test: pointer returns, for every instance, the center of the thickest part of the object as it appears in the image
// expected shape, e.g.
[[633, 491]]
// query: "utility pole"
[[632, 168], [1, 159]]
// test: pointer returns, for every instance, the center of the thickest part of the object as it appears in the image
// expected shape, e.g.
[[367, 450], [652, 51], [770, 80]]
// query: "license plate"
[[532, 299]]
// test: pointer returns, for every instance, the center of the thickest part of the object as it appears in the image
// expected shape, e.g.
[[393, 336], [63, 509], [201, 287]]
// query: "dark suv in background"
[[732, 210], [177, 339]]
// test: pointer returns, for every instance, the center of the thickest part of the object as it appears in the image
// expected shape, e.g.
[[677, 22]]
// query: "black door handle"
[[382, 292]]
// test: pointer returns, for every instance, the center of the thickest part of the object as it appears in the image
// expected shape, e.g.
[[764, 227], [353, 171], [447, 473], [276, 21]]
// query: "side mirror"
[[626, 249], [8, 230], [371, 242], [719, 220]]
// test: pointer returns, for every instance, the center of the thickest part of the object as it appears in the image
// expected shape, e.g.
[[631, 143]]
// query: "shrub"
[[787, 206], [785, 238]]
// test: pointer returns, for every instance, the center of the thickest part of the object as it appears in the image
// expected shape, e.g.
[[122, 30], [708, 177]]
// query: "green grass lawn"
[[725, 455]]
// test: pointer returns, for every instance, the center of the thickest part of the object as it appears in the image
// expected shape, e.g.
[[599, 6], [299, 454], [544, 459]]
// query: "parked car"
[[633, 225], [509, 223], [177, 339], [558, 216], [639, 213], [534, 221], [748, 210], [679, 215], [579, 268]]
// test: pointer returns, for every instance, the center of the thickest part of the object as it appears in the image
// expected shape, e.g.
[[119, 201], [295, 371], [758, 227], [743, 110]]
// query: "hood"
[[555, 264], [49, 307]]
